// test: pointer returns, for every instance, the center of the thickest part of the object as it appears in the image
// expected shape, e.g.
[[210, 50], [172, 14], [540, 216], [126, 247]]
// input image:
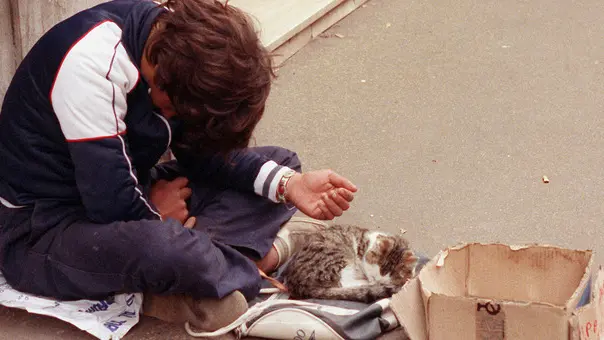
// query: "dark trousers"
[[52, 250]]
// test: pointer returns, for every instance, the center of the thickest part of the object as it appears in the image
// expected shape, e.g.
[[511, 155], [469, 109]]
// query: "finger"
[[183, 215], [339, 200], [327, 215], [341, 182], [345, 194], [190, 223], [332, 206], [180, 182], [185, 193]]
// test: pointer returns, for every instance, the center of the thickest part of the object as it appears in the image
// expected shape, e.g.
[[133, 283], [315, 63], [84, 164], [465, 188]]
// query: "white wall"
[[38, 16], [30, 19], [8, 54]]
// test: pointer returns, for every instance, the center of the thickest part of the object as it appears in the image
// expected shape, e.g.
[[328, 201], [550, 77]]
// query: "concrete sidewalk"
[[446, 115]]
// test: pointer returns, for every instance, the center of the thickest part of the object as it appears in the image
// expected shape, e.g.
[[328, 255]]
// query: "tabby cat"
[[346, 262]]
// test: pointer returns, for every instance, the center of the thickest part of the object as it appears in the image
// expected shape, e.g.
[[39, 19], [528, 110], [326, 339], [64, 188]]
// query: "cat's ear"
[[409, 258], [385, 244]]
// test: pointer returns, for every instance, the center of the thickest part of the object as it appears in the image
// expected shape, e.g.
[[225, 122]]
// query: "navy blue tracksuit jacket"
[[79, 143], [77, 123]]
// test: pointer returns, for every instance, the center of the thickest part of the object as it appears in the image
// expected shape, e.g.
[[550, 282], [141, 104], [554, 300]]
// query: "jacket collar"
[[137, 27]]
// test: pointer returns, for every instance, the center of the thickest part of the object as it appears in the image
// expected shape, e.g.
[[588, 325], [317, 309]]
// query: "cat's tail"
[[365, 293]]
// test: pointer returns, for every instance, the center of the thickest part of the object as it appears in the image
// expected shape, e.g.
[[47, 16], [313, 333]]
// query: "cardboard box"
[[496, 292]]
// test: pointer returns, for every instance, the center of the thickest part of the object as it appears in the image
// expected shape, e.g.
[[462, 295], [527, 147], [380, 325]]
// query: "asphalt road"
[[446, 115]]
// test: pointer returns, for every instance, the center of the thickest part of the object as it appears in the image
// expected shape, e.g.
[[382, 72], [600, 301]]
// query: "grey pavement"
[[446, 115]]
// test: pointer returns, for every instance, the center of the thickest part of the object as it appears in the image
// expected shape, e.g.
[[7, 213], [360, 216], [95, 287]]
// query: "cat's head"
[[394, 257]]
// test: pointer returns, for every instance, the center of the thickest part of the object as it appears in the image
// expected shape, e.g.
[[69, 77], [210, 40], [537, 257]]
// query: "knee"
[[183, 261], [156, 257]]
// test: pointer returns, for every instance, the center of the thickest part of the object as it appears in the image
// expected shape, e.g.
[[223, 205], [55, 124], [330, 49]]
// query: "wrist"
[[291, 185], [283, 186]]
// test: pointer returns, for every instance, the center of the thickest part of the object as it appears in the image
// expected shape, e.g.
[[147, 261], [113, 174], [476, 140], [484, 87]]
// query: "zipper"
[[167, 127]]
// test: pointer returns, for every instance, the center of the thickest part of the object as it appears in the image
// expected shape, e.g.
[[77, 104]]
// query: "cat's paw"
[[381, 291], [391, 289]]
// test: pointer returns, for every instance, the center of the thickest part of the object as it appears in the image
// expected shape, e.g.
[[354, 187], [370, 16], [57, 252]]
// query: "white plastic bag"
[[107, 320]]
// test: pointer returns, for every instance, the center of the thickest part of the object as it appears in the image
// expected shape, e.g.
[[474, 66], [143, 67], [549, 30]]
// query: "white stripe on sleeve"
[[272, 193], [265, 170]]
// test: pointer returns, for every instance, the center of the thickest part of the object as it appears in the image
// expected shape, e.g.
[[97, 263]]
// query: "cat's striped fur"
[[345, 262]]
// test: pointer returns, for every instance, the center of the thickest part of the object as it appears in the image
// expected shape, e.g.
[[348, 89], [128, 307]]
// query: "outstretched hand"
[[321, 194]]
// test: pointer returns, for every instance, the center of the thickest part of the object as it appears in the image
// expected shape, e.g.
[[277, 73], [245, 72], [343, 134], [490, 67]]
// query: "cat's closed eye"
[[364, 265]]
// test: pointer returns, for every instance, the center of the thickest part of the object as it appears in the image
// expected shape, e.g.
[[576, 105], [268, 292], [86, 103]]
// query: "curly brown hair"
[[210, 62]]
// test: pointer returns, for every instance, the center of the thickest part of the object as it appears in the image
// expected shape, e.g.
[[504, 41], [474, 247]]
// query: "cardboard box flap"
[[587, 323], [408, 306], [598, 293], [447, 273], [544, 274], [573, 303], [410, 303]]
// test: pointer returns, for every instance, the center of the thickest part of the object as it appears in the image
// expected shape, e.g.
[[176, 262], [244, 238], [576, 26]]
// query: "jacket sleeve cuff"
[[268, 178]]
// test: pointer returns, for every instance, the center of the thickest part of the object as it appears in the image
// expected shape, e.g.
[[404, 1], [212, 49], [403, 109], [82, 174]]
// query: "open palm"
[[321, 194]]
